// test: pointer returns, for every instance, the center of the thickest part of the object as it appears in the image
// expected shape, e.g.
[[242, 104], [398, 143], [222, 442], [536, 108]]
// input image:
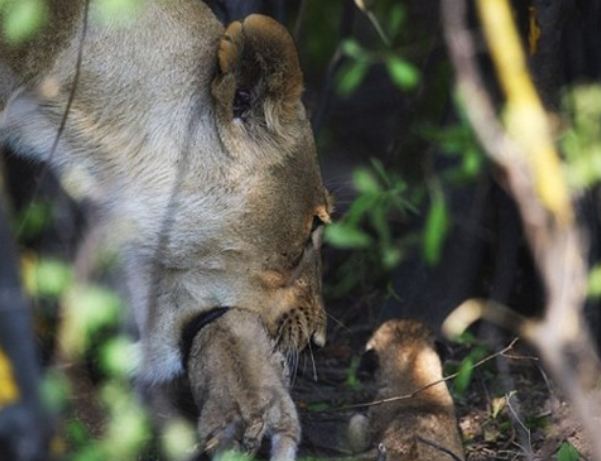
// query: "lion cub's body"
[[418, 428], [196, 144]]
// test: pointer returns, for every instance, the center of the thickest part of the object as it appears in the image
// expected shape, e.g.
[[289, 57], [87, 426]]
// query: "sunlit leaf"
[[403, 73], [436, 228], [594, 282], [23, 18], [178, 440], [46, 277], [128, 427], [365, 182], [118, 357], [87, 309], [346, 236], [497, 405]]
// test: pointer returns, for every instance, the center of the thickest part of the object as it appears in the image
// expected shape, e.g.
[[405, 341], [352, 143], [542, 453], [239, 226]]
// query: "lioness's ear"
[[259, 72]]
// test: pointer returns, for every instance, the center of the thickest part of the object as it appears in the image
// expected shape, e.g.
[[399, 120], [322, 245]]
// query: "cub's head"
[[263, 127], [405, 348]]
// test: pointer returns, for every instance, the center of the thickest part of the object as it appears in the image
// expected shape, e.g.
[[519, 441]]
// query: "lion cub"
[[419, 428]]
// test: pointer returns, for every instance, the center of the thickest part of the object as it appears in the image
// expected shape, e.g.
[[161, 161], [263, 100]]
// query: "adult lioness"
[[197, 144]]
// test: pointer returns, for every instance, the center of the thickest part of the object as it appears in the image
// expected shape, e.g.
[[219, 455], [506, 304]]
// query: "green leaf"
[[464, 375], [436, 228], [352, 380], [23, 18], [365, 182], [472, 161], [127, 428], [55, 390], [77, 433], [396, 18], [233, 456], [34, 219], [178, 439], [567, 452], [346, 236], [318, 406], [116, 357], [91, 452], [391, 256], [403, 73], [47, 277], [359, 208], [351, 77], [594, 282], [87, 308], [351, 48]]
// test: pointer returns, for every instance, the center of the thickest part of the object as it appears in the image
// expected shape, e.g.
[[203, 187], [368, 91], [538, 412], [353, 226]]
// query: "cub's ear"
[[259, 73]]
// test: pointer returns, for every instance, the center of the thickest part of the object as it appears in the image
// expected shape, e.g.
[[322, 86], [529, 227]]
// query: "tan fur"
[[408, 361], [210, 209], [249, 398]]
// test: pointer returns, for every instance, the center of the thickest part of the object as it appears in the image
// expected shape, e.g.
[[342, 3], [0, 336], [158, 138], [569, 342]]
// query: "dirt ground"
[[509, 410]]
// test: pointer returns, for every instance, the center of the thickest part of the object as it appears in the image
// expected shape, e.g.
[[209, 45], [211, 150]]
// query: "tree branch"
[[524, 152]]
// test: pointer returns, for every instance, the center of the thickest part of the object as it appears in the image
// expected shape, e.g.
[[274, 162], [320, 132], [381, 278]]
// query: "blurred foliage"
[[360, 59], [9, 391], [594, 282], [32, 221], [45, 277], [581, 141], [375, 227], [390, 215], [352, 379], [474, 352], [21, 19], [567, 452]]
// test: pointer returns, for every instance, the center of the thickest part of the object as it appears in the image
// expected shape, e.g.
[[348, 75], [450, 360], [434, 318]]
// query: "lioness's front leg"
[[239, 383]]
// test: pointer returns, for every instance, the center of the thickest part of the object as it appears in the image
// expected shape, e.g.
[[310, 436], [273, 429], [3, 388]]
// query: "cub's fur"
[[420, 428], [195, 142]]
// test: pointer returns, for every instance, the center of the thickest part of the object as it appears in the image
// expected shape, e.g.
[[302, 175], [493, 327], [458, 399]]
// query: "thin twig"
[[438, 447], [63, 124], [429, 385]]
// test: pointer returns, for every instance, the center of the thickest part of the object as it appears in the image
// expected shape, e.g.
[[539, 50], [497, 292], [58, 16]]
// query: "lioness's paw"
[[239, 385]]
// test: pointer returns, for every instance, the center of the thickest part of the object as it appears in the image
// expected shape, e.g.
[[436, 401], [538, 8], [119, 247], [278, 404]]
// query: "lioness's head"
[[196, 141], [262, 124]]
